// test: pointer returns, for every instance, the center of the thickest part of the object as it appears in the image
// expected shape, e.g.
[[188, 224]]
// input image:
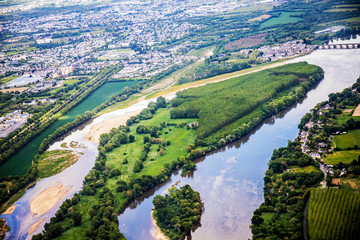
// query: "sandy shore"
[[104, 127], [47, 199], [35, 226], [10, 210], [357, 111], [157, 233]]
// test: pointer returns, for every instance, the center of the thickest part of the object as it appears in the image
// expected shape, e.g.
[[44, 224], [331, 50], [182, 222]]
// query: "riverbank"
[[47, 199], [157, 233]]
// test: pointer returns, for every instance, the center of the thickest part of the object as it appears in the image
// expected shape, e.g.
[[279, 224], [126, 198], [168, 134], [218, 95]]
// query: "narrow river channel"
[[229, 180]]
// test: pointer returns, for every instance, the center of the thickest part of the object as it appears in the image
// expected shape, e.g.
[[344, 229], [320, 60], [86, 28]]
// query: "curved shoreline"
[[157, 234]]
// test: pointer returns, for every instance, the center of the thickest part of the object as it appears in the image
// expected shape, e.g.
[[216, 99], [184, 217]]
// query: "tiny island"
[[178, 212]]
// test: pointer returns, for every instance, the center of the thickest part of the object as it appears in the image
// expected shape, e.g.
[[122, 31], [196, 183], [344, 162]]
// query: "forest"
[[178, 212], [218, 105]]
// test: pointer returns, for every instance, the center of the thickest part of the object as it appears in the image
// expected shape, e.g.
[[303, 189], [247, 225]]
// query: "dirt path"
[[304, 221]]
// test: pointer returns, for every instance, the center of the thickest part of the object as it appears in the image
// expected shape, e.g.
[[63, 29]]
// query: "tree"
[[76, 216]]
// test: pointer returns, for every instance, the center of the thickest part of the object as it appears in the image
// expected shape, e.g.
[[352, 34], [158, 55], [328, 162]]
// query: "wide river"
[[230, 180]]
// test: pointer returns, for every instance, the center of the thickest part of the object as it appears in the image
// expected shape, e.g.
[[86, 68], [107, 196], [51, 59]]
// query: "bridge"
[[339, 46]]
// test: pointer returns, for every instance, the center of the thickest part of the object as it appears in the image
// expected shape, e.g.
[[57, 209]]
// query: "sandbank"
[[104, 127], [10, 210], [157, 233], [47, 199], [35, 226]]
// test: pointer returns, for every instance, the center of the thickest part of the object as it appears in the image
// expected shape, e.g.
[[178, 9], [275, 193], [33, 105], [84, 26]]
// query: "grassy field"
[[343, 118], [352, 184], [179, 138], [333, 214], [199, 52], [284, 17], [350, 139], [341, 156], [306, 169], [5, 80], [53, 162]]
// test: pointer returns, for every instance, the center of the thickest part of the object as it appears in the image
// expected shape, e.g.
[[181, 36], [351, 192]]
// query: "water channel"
[[229, 180], [21, 161]]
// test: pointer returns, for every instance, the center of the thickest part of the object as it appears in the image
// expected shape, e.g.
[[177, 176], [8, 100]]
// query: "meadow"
[[283, 18], [348, 140]]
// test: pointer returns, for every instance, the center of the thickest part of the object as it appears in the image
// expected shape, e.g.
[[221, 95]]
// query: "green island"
[[178, 212], [299, 200], [135, 158]]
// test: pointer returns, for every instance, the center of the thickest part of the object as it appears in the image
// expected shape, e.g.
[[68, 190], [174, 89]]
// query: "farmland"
[[333, 214], [348, 140], [246, 42]]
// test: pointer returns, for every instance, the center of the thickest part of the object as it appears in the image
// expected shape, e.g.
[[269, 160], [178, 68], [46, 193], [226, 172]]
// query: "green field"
[[283, 18], [343, 118], [352, 184], [5, 80], [348, 140], [346, 156], [199, 52], [179, 138], [53, 162], [306, 169], [333, 214]]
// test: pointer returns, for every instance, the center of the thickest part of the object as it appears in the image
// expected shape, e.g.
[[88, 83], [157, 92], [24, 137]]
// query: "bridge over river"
[[339, 46]]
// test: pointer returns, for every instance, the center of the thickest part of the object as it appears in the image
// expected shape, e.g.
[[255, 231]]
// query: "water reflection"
[[230, 179]]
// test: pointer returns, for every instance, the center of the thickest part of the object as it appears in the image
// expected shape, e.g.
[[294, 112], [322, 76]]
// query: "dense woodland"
[[221, 104], [178, 212]]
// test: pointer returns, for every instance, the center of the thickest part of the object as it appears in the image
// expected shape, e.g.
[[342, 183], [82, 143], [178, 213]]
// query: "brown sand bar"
[[104, 127], [157, 233], [35, 226], [47, 199], [357, 111], [10, 210]]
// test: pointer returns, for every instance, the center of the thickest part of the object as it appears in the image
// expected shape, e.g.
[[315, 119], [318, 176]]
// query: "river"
[[230, 180], [21, 161]]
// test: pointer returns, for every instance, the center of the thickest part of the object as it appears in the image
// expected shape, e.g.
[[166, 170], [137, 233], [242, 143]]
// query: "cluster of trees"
[[211, 69], [334, 214], [178, 212], [16, 183], [285, 194], [148, 112], [272, 90], [67, 212]]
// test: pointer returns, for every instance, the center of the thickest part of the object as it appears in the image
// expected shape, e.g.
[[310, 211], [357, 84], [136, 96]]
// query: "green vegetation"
[[346, 156], [349, 140], [280, 216], [5, 80], [334, 214], [283, 18], [240, 96], [179, 212], [53, 162]]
